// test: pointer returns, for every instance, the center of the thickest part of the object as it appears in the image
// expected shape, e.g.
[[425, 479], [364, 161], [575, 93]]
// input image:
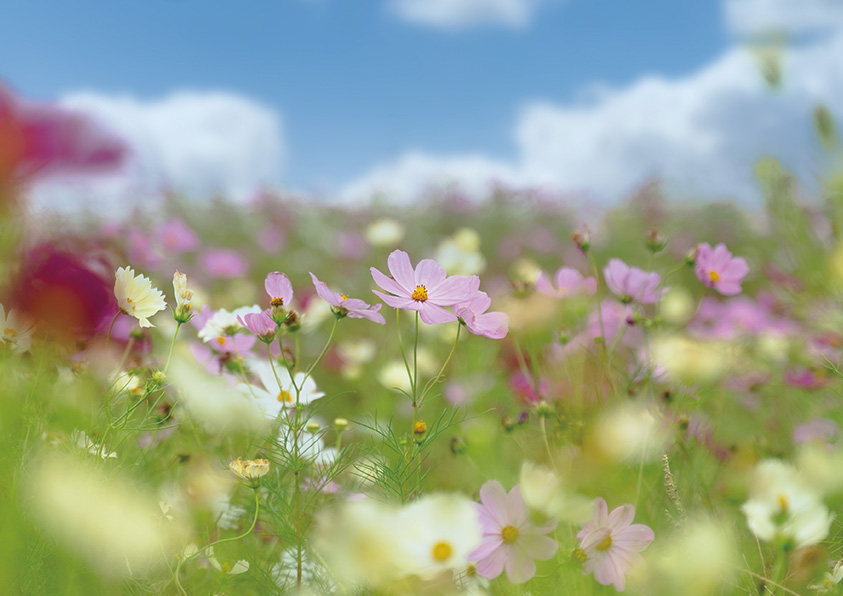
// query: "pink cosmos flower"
[[354, 308], [279, 288], [632, 284], [611, 543], [716, 268], [509, 540], [177, 237], [569, 282], [493, 325], [820, 431], [261, 324], [426, 289]]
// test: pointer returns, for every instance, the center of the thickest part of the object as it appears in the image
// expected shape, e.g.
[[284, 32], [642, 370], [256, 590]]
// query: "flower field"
[[450, 398]]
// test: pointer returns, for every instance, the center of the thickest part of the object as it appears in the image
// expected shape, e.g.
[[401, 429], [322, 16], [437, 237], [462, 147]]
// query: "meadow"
[[455, 397]]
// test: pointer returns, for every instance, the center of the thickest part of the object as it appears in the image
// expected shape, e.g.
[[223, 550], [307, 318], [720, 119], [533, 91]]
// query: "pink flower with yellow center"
[[510, 541], [717, 268], [426, 289], [493, 325], [610, 544], [354, 308]]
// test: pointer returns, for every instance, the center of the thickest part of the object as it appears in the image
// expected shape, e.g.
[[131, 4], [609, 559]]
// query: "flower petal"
[[402, 270]]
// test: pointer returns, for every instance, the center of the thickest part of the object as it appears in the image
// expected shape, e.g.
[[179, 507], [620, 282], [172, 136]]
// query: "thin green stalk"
[[442, 370], [110, 328], [172, 345], [324, 350]]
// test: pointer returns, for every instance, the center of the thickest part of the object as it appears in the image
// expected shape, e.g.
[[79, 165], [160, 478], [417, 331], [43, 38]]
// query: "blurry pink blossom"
[[425, 289], [716, 268], [177, 237], [510, 540], [569, 282], [818, 430], [271, 239], [631, 284], [261, 324], [224, 264]]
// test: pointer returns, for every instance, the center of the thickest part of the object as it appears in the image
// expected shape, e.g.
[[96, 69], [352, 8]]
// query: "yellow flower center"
[[509, 534], [606, 544], [579, 555], [220, 340], [714, 276], [343, 297], [441, 551], [471, 571], [276, 302], [420, 427], [226, 567], [783, 502], [419, 294], [284, 396], [10, 331]]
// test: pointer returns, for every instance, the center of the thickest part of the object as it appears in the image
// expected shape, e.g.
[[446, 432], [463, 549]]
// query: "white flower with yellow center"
[[15, 331], [783, 506], [136, 296], [439, 532], [276, 394], [224, 323]]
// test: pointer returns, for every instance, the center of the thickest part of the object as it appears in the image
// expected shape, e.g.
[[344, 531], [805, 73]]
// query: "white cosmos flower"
[[782, 505], [272, 398], [241, 566], [438, 532], [15, 331], [829, 581], [183, 297], [136, 296], [223, 322]]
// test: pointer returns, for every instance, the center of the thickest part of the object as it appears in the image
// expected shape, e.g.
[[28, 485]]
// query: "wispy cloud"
[[462, 14]]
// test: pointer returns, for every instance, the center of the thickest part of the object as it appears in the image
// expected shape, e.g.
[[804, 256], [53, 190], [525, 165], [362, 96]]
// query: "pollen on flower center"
[[579, 555], [509, 534], [220, 340], [420, 293], [9, 331], [714, 275], [276, 302], [783, 502], [343, 297], [284, 396], [441, 551], [606, 544]]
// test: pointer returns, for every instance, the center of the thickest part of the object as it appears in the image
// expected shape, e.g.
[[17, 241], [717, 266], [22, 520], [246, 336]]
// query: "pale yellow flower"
[[136, 296], [249, 469], [183, 297]]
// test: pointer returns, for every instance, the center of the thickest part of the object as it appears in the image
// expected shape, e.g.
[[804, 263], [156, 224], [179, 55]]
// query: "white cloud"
[[701, 134], [194, 143], [459, 14], [792, 16]]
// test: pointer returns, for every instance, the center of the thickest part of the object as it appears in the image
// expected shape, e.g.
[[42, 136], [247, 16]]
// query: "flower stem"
[[110, 328], [172, 345], [442, 370], [325, 349]]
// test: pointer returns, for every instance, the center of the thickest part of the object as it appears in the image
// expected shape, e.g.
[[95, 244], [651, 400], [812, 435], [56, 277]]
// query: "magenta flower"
[[611, 543], [261, 324], [426, 289], [716, 268], [569, 282], [632, 284], [279, 288], [509, 539], [493, 325], [351, 307]]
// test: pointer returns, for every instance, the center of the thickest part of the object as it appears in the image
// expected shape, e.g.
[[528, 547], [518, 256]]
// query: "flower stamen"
[[420, 293], [509, 534], [442, 551]]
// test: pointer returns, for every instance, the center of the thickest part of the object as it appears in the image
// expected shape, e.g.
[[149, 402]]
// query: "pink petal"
[[636, 537], [488, 545], [325, 293], [390, 285], [540, 548], [278, 285], [492, 566], [519, 566], [515, 508], [431, 314], [494, 325], [621, 517], [402, 270], [457, 288], [494, 499], [543, 285], [429, 273], [397, 301]]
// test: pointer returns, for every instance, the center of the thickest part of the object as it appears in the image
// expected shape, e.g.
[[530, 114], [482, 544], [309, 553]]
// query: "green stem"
[[172, 345], [272, 364], [442, 370], [415, 379], [110, 328], [325, 349]]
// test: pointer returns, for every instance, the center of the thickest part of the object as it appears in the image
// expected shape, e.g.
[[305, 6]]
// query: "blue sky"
[[355, 83]]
